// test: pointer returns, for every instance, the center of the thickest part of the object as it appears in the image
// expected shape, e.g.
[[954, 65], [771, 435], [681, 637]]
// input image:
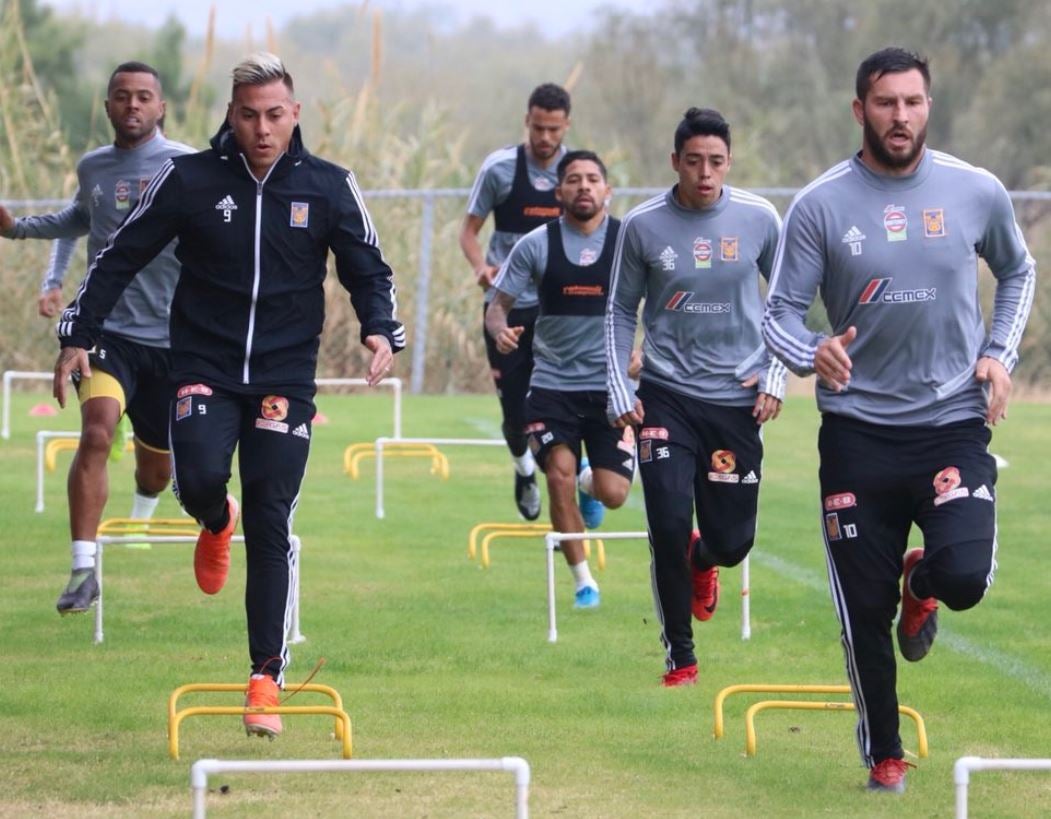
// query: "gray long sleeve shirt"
[[897, 257], [699, 273], [110, 181]]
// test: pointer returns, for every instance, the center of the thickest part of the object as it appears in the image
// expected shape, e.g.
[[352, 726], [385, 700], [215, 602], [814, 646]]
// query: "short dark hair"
[[701, 122], [134, 67], [575, 156], [891, 60], [550, 97]]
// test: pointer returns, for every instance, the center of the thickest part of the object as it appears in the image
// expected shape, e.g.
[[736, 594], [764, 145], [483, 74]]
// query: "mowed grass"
[[436, 657]]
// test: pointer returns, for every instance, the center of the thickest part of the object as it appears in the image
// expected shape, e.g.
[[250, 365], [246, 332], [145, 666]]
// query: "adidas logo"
[[668, 257], [301, 432], [750, 478], [982, 493], [226, 203], [853, 235]]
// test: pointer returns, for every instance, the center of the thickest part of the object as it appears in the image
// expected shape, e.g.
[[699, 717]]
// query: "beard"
[[890, 160], [583, 211]]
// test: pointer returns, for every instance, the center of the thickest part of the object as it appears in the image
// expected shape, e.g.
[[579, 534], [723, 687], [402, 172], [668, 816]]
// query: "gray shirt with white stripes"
[[897, 258], [110, 181], [491, 187], [699, 273]]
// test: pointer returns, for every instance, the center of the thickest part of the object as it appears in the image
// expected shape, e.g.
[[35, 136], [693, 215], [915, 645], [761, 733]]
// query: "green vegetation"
[[436, 657]]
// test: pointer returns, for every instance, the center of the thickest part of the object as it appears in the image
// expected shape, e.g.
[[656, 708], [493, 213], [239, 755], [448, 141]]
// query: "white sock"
[[524, 464], [585, 481], [582, 575], [83, 554], [143, 506]]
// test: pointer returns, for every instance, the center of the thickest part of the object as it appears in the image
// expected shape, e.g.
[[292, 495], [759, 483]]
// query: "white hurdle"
[[294, 635], [961, 773], [381, 442], [42, 437], [17, 375], [393, 383], [553, 542], [203, 768]]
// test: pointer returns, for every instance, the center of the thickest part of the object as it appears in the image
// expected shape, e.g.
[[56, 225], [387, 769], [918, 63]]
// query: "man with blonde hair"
[[256, 216]]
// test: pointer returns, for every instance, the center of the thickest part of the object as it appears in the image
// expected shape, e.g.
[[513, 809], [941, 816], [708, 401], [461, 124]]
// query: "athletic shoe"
[[888, 775], [687, 675], [705, 584], [527, 496], [918, 623], [586, 598], [591, 508], [211, 558], [80, 593], [262, 693]]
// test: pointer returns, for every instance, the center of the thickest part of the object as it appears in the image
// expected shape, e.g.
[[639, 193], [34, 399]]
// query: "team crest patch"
[[832, 526], [728, 249], [144, 182], [122, 195], [947, 486], [646, 451], [300, 217], [934, 223], [274, 408], [183, 408], [588, 255], [724, 462]]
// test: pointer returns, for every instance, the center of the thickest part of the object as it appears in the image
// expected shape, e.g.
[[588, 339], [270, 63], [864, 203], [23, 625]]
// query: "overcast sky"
[[232, 16]]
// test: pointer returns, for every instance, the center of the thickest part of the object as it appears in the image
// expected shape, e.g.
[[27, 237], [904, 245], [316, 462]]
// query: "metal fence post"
[[423, 286]]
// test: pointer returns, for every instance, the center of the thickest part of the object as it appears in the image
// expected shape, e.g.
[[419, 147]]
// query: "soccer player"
[[707, 385], [908, 378], [256, 216], [517, 185], [567, 261], [130, 361]]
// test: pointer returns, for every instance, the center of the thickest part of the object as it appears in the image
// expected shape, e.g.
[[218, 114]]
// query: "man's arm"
[[368, 278], [519, 268], [484, 273], [627, 284], [69, 223], [50, 300], [1003, 247], [797, 272], [769, 377]]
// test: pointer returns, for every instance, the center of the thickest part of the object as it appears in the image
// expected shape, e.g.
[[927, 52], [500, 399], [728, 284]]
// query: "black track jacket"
[[249, 306]]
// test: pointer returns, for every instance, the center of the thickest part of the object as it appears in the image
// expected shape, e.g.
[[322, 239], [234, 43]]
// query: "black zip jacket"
[[249, 306]]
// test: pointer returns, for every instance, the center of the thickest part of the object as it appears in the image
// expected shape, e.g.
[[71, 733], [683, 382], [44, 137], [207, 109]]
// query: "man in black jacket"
[[256, 216]]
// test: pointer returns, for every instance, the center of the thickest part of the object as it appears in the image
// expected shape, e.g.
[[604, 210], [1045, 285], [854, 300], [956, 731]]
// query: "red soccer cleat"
[[705, 584], [262, 693], [687, 675], [888, 775], [211, 558], [918, 623]]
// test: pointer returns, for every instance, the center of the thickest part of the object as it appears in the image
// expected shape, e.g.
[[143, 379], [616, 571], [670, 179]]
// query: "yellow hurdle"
[[155, 526], [342, 731], [57, 445], [355, 453], [495, 531], [799, 705], [764, 688]]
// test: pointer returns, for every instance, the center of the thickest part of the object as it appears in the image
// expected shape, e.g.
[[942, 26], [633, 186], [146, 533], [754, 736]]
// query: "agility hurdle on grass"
[[203, 768], [355, 453], [125, 531], [495, 531], [382, 442], [965, 765], [341, 732], [552, 543], [17, 375]]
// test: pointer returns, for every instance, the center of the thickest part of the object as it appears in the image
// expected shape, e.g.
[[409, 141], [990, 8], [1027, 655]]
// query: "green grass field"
[[436, 657]]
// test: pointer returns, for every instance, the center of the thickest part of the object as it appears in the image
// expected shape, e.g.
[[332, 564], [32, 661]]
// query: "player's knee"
[[672, 527], [728, 548], [561, 476], [199, 491], [516, 439], [960, 590], [152, 480], [611, 489], [96, 438]]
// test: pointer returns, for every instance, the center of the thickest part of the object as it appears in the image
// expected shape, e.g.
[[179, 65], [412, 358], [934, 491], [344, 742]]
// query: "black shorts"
[[142, 375], [570, 418]]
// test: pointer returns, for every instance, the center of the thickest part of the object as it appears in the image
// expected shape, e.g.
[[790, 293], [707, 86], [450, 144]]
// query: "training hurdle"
[[394, 383], [961, 773], [383, 442], [124, 531], [496, 531], [759, 688], [342, 730], [800, 705], [203, 768], [17, 375], [552, 543], [355, 453], [48, 444]]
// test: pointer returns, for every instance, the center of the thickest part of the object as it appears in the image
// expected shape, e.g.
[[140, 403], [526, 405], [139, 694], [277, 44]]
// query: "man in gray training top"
[[568, 262], [131, 359], [907, 380], [517, 185], [696, 254]]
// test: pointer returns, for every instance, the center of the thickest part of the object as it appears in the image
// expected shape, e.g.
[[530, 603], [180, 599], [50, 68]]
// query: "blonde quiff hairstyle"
[[261, 68]]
